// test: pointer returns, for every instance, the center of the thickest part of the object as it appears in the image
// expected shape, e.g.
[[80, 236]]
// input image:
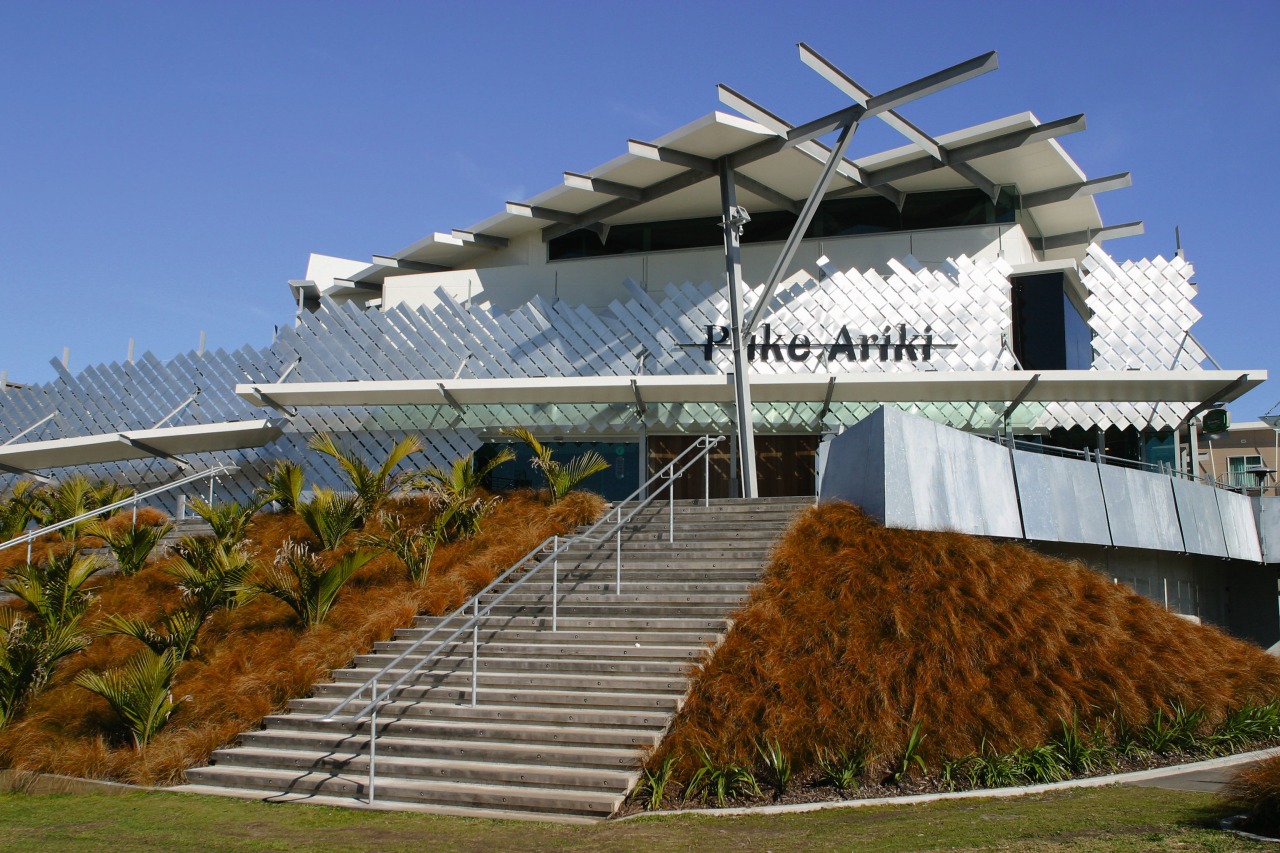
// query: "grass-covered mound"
[[859, 634], [252, 658]]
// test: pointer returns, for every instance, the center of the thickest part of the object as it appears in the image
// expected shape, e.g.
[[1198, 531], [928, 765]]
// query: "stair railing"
[[32, 535], [546, 553]]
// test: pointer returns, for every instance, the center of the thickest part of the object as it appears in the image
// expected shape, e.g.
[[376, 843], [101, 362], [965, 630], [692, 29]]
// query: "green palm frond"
[[371, 486], [414, 546], [15, 510], [230, 521], [29, 650], [561, 477], [331, 516], [177, 631], [209, 573], [283, 485], [138, 691], [54, 587], [302, 582], [130, 545]]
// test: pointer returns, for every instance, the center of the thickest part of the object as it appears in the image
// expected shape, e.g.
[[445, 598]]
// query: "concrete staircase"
[[563, 718]]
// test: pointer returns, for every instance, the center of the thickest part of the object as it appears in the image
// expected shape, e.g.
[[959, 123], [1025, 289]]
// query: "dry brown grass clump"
[[255, 658], [1255, 790], [858, 633], [52, 543]]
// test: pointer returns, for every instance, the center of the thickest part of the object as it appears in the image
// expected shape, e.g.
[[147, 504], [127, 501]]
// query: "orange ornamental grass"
[[52, 543], [857, 633], [253, 659], [1255, 790]]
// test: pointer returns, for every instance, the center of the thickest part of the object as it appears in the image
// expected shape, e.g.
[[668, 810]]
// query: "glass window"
[[620, 480], [1239, 471]]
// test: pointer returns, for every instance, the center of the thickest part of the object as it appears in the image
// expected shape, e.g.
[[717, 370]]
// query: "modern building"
[[736, 276]]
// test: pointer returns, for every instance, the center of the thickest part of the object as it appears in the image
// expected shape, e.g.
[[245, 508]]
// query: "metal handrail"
[[560, 545], [31, 536], [669, 472], [1098, 456]]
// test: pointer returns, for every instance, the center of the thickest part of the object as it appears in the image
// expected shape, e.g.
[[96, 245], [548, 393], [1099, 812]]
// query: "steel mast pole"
[[732, 222]]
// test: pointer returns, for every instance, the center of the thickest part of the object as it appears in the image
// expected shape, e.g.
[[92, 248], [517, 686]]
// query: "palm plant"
[[209, 573], [176, 632], [300, 580], [138, 691], [54, 587], [283, 485], [456, 489], [29, 649], [414, 546], [371, 486], [561, 477], [131, 545], [331, 516], [229, 521], [15, 510], [67, 499]]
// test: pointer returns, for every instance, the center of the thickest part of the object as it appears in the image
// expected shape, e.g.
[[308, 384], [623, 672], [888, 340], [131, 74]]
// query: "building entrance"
[[786, 466]]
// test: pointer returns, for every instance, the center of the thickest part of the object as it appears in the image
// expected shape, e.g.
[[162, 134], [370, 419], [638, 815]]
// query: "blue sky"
[[165, 168]]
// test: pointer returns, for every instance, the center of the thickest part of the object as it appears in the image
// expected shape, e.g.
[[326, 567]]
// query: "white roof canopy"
[[1059, 386], [165, 443]]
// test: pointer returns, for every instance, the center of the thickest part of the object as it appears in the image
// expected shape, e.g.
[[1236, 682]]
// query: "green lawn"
[[1093, 819]]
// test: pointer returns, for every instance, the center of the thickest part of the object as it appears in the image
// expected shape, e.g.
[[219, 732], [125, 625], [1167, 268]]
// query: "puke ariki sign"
[[891, 344]]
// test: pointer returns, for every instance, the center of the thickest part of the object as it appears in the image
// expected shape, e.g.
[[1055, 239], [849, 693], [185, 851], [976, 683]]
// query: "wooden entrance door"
[[786, 465]]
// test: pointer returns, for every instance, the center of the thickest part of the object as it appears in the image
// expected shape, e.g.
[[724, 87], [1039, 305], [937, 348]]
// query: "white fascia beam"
[[1084, 238]]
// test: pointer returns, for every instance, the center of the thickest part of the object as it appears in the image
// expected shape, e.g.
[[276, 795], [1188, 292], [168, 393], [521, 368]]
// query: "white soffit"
[[124, 446], [1060, 386], [1039, 166]]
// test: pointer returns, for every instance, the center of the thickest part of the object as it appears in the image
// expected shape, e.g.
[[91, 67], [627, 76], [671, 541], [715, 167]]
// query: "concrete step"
[[655, 667], [517, 636], [465, 730], [429, 678], [355, 785], [591, 623], [391, 744], [547, 697], [520, 775], [493, 713]]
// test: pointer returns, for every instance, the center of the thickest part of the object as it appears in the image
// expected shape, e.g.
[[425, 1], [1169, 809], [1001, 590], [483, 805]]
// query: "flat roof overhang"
[[1052, 386], [166, 442]]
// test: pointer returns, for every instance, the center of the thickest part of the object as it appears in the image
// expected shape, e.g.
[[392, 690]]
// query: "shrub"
[[841, 769], [131, 545], [138, 692], [413, 546], [719, 782], [230, 521], [1255, 790], [457, 488], [300, 580], [331, 516], [29, 650], [372, 486], [561, 477], [283, 485], [209, 574], [777, 767]]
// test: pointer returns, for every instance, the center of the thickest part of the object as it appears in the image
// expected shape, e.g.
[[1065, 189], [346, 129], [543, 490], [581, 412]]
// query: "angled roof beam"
[[792, 244], [767, 193], [408, 266], [1078, 190], [1225, 394], [700, 168], [675, 183], [1021, 398], [550, 215], [1095, 235], [598, 185], [673, 156], [484, 241], [816, 150], [833, 75], [22, 472], [1007, 141], [155, 451]]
